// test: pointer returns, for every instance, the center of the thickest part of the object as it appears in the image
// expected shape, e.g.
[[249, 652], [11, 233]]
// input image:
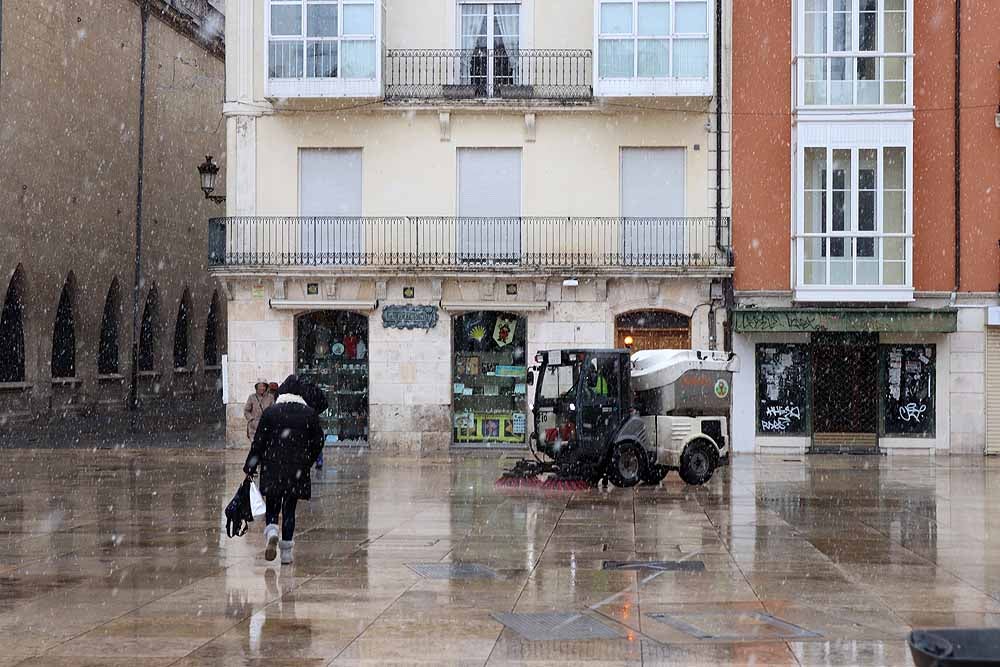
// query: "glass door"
[[489, 37]]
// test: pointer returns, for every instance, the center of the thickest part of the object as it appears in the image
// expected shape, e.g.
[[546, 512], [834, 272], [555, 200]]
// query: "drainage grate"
[[658, 565], [719, 625], [453, 570], [556, 626]]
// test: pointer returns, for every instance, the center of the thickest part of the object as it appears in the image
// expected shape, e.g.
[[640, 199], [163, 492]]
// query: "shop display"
[[488, 374], [332, 354], [908, 390]]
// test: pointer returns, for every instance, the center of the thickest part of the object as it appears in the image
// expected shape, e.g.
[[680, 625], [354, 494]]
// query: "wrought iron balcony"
[[469, 244], [455, 75]]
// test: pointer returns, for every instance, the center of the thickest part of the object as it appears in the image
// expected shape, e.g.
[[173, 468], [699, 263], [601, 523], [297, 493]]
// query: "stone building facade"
[[71, 75]]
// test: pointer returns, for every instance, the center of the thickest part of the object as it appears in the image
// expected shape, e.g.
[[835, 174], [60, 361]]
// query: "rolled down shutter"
[[993, 390]]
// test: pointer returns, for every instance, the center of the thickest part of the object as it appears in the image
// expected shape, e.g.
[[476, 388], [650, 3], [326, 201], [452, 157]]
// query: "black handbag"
[[238, 514]]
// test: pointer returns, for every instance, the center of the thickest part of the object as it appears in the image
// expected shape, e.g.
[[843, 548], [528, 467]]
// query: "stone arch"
[[182, 331], [148, 358], [652, 328], [108, 350], [64, 332], [12, 329]]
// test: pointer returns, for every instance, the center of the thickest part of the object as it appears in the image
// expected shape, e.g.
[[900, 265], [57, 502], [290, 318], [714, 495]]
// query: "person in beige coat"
[[261, 399]]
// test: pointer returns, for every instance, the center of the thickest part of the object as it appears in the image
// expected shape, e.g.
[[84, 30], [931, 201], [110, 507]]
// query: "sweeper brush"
[[540, 475]]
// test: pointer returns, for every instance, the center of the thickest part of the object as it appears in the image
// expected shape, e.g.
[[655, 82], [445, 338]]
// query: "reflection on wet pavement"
[[121, 558]]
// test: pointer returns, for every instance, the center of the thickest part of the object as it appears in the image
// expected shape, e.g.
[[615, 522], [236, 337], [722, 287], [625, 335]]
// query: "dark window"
[[212, 333], [908, 390], [147, 332], [64, 336], [181, 333], [107, 352], [783, 381], [12, 331]]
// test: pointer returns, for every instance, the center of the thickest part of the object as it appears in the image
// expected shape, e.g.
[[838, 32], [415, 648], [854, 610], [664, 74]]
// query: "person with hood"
[[315, 399], [261, 399], [289, 439]]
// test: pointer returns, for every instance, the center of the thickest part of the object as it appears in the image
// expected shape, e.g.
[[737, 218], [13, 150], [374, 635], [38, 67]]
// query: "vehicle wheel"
[[698, 462], [627, 465], [654, 474]]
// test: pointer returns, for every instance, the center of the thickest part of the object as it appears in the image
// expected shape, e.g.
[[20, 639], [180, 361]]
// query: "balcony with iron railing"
[[445, 244], [560, 75]]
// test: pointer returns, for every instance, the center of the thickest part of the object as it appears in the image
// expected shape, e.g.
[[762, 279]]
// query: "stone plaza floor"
[[119, 557]]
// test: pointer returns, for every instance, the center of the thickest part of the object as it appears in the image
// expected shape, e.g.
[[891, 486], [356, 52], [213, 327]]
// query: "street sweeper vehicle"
[[606, 414]]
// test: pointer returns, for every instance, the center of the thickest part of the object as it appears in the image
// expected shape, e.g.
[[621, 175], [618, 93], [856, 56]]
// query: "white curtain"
[[506, 42]]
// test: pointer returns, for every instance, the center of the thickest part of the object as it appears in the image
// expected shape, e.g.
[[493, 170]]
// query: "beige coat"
[[254, 408]]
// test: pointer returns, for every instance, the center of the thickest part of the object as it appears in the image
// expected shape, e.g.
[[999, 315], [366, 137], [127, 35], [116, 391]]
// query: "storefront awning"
[[847, 320]]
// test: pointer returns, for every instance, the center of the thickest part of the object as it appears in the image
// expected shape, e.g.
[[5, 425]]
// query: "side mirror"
[[530, 377]]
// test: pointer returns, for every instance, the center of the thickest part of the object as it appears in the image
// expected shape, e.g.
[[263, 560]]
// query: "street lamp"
[[209, 172]]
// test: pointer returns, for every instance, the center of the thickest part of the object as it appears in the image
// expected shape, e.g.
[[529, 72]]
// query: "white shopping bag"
[[257, 507]]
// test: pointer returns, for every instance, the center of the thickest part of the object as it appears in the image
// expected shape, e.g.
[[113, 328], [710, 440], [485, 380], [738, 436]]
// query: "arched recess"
[[211, 355], [64, 332], [12, 329], [108, 351], [148, 348], [182, 331], [653, 330]]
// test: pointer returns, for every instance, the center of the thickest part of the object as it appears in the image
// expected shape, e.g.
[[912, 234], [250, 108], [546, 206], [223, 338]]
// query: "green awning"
[[860, 320]]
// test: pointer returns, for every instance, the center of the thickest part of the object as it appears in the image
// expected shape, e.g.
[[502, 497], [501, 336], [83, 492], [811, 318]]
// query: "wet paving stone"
[[123, 560]]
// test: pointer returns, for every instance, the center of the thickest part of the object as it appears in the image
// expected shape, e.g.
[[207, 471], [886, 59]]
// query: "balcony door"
[[490, 38], [653, 229], [489, 205], [331, 231]]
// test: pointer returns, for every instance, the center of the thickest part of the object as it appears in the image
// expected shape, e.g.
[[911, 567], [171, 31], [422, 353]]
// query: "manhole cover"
[[734, 626], [661, 565], [556, 626], [453, 570]]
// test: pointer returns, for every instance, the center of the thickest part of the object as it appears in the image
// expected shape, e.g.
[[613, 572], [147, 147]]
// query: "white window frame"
[[670, 85], [490, 39], [804, 59], [880, 292], [326, 86]]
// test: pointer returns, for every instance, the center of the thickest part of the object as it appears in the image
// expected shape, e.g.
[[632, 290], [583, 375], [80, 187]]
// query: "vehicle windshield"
[[560, 381]]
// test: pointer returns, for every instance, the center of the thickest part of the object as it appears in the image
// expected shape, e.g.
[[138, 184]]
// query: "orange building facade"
[[866, 164]]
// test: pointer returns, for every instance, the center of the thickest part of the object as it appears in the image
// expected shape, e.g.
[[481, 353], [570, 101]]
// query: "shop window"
[[64, 335], [107, 351], [489, 376], [212, 333], [147, 331], [653, 330], [12, 330], [332, 352], [182, 332], [908, 380], [783, 382]]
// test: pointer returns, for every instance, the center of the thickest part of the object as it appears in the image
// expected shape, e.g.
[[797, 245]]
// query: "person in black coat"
[[288, 441]]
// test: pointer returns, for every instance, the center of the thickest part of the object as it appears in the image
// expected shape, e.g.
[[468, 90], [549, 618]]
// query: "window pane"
[[841, 32], [321, 59], [895, 69], [286, 19], [617, 58], [895, 168], [654, 58], [616, 18], [841, 191], [321, 21], [816, 5], [868, 31], [815, 212], [815, 168], [284, 60], [691, 17], [691, 58], [815, 261], [815, 33], [867, 266], [895, 32], [359, 20], [841, 84], [894, 215], [654, 19], [841, 261], [867, 164], [815, 80], [358, 59]]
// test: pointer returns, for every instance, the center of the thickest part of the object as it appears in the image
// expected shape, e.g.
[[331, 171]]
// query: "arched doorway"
[[12, 330], [64, 333], [332, 353], [653, 330], [182, 331], [148, 330], [107, 351]]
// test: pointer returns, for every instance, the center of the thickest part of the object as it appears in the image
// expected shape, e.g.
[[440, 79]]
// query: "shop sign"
[[409, 317], [809, 320]]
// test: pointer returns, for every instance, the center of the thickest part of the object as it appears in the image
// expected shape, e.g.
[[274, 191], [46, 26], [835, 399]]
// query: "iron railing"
[[524, 74], [469, 243]]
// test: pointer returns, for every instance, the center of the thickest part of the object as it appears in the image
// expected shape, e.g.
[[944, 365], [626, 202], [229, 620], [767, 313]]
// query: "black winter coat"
[[289, 439]]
